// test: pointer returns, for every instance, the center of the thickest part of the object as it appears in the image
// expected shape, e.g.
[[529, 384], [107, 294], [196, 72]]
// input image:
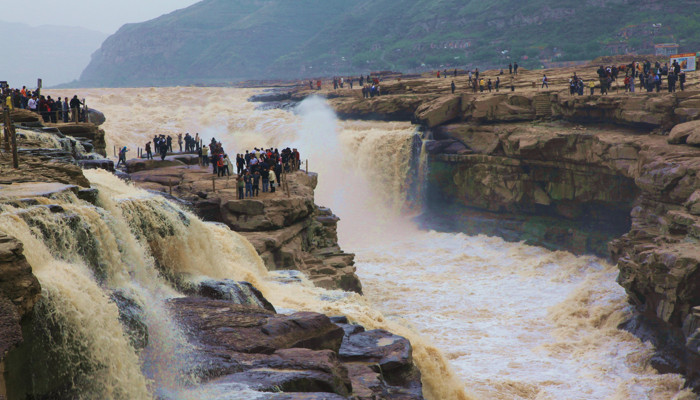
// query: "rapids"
[[512, 321]]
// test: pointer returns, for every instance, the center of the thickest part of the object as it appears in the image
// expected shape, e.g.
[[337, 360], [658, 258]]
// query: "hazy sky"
[[100, 15]]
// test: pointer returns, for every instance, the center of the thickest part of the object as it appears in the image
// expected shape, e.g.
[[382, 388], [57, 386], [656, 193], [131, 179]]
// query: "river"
[[513, 321]]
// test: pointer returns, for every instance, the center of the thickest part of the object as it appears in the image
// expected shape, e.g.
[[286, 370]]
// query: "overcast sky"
[[100, 15]]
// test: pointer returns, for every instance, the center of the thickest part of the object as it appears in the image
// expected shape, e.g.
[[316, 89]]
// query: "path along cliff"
[[614, 175]]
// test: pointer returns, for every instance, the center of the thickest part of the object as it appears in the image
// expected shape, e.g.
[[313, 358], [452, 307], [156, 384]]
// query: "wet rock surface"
[[132, 319], [306, 355], [242, 293], [19, 291], [287, 230], [615, 175]]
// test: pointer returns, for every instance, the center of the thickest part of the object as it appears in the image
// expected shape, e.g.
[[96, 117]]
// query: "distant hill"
[[57, 54], [219, 41]]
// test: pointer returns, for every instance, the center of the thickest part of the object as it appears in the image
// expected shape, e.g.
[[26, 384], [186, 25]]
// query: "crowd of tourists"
[[255, 168], [636, 74], [263, 166], [163, 144], [369, 85], [51, 110]]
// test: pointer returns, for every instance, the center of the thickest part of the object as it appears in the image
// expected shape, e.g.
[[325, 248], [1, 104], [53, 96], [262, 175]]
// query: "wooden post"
[[114, 149], [307, 166], [15, 156], [213, 184], [6, 115], [170, 187]]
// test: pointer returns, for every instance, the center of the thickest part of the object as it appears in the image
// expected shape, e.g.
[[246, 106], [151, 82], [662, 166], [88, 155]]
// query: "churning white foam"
[[515, 321]]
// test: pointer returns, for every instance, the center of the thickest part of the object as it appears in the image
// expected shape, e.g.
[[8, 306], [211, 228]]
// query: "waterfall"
[[146, 248], [76, 327], [503, 319]]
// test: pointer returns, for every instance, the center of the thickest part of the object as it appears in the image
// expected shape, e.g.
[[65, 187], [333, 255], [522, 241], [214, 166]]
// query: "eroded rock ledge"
[[287, 231], [591, 174]]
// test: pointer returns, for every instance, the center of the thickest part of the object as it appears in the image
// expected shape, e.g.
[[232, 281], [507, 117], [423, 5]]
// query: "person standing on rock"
[[205, 156], [149, 153], [498, 83], [248, 179], [510, 68], [278, 172], [489, 85], [75, 104], [31, 104], [657, 82], [122, 156], [179, 141], [438, 74], [265, 178], [163, 150], [64, 108], [453, 87], [240, 162], [632, 85], [240, 184], [219, 163], [681, 80], [544, 81], [256, 183], [481, 84], [51, 109]]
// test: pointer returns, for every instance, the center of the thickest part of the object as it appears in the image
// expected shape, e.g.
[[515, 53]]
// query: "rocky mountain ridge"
[[220, 42]]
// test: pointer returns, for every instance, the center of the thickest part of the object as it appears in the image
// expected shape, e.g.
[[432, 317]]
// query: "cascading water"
[[514, 321], [139, 245]]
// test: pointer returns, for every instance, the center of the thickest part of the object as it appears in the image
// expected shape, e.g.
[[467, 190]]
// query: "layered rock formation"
[[19, 291], [302, 352], [90, 137], [591, 174], [286, 228]]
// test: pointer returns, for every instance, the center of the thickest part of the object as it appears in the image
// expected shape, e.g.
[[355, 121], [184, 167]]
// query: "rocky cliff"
[[288, 230], [614, 175]]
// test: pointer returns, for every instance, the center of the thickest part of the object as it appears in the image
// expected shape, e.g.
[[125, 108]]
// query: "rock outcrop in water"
[[591, 174], [288, 231], [301, 352]]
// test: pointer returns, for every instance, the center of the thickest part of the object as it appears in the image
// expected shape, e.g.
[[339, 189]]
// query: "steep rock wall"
[[609, 191], [287, 229]]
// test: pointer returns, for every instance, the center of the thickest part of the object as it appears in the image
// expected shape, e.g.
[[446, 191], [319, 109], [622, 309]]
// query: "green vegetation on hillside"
[[218, 41]]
